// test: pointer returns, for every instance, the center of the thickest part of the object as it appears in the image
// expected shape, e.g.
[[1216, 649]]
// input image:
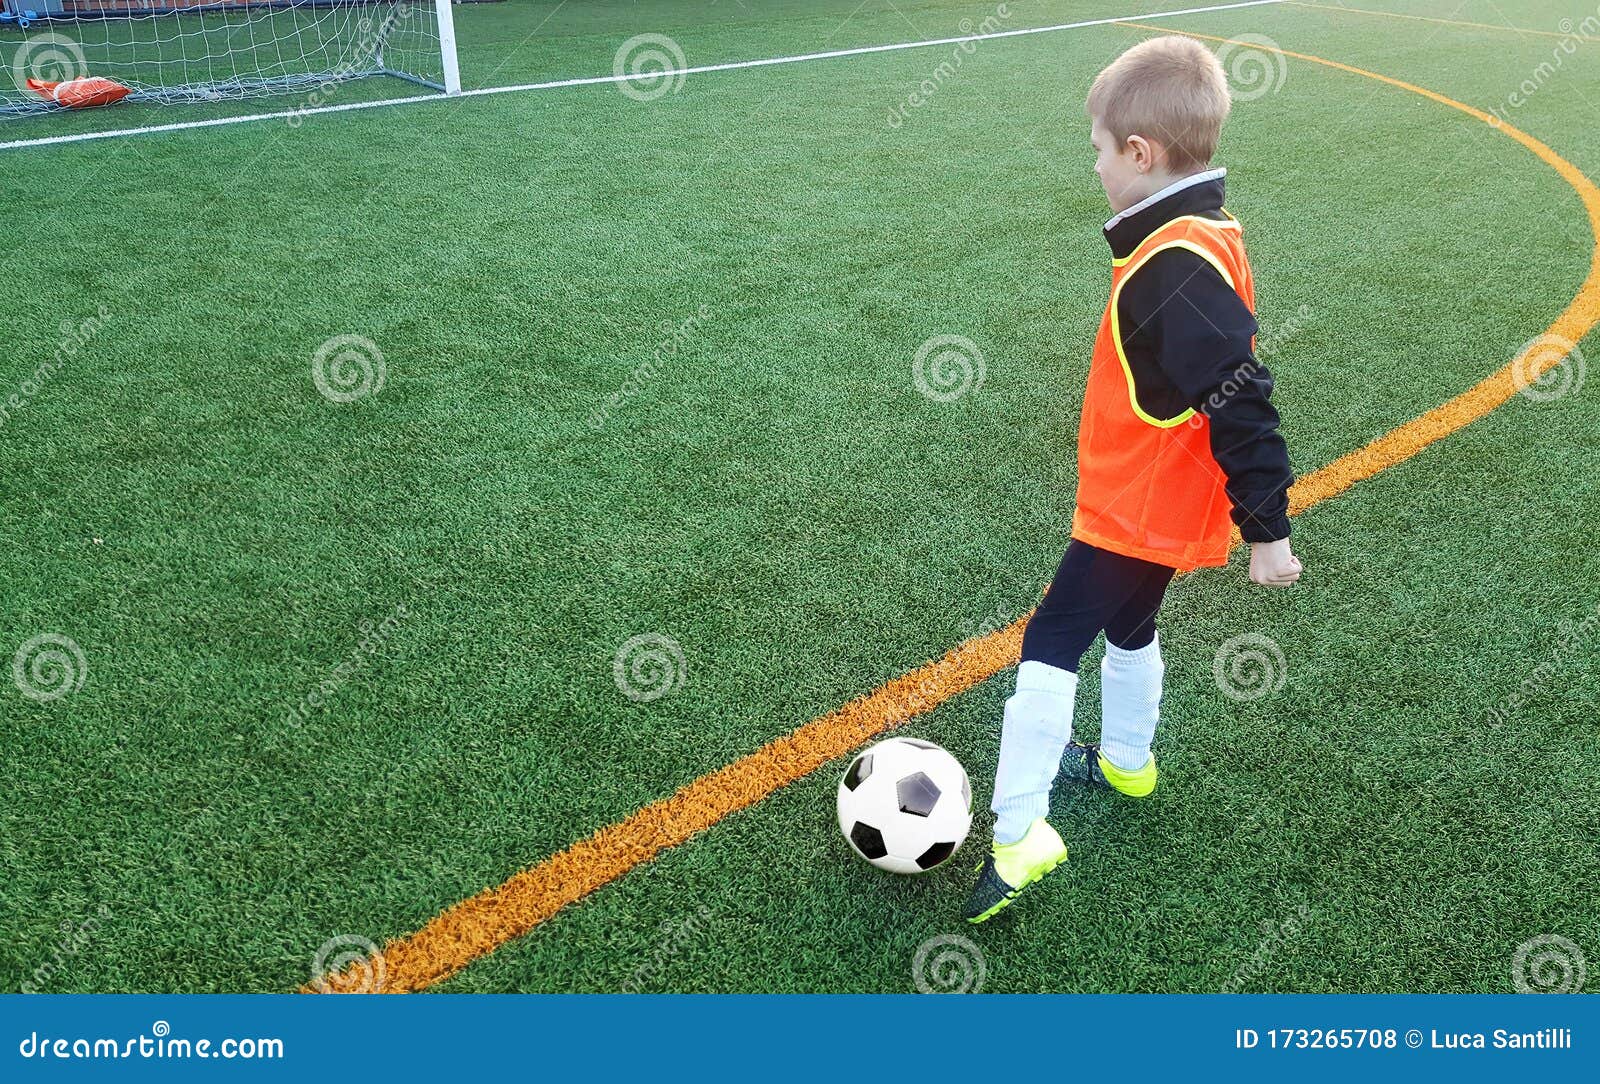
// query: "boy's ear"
[[1146, 153]]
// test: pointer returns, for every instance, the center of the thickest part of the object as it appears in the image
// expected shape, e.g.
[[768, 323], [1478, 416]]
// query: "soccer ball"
[[905, 805]]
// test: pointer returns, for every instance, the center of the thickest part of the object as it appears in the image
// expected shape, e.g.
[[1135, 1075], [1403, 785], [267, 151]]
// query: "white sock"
[[1038, 725], [1130, 704]]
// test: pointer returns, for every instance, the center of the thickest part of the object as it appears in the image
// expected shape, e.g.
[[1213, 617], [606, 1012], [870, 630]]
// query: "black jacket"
[[1186, 335]]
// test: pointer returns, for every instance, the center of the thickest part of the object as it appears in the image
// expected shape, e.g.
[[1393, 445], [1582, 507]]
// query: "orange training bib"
[[1150, 487]]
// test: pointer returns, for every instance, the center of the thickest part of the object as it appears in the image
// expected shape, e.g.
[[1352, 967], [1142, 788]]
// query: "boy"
[[1177, 436]]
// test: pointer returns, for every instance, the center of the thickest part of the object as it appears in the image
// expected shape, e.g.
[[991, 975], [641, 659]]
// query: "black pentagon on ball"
[[868, 840], [935, 854], [918, 795], [858, 772], [917, 743]]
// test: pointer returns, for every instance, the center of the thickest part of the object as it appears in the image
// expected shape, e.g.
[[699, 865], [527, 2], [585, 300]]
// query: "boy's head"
[[1155, 115]]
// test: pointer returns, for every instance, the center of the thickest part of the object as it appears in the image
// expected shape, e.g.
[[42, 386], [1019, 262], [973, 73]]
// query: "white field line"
[[517, 88]]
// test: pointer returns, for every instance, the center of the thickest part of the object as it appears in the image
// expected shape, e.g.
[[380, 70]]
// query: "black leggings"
[[1094, 591]]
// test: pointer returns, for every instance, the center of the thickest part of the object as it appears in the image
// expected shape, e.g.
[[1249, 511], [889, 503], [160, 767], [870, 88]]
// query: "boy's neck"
[[1153, 182], [1178, 181], [1194, 193]]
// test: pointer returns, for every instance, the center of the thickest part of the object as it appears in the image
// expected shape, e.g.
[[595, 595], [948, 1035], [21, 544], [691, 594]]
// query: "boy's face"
[[1126, 169]]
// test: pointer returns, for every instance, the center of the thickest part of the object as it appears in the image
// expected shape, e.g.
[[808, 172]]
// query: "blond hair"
[[1171, 90]]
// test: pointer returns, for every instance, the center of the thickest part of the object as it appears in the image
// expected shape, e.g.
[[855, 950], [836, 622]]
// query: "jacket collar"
[[1196, 194]]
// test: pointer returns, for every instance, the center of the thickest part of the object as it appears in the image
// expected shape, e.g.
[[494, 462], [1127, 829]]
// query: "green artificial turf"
[[775, 495]]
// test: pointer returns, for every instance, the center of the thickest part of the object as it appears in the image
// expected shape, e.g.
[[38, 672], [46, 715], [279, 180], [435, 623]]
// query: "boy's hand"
[[1272, 565]]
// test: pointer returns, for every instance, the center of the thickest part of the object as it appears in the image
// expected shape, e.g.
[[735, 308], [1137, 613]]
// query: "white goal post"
[[184, 51]]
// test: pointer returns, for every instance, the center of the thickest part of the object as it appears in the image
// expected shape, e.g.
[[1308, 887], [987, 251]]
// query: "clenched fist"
[[1272, 565]]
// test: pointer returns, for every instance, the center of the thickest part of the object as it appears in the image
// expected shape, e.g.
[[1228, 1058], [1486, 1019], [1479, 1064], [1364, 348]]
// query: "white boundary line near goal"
[[285, 114]]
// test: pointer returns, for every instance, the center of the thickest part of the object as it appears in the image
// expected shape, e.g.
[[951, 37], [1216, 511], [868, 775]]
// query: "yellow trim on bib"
[[1230, 223], [1116, 323]]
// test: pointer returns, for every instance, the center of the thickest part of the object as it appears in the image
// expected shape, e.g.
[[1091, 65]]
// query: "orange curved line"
[[482, 923]]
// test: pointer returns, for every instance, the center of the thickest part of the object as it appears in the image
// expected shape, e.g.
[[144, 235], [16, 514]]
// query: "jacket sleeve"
[[1178, 310]]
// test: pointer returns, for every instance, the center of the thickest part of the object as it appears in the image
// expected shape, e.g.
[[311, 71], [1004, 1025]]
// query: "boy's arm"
[[1178, 312]]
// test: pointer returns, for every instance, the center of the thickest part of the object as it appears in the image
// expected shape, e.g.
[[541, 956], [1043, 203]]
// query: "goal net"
[[176, 51]]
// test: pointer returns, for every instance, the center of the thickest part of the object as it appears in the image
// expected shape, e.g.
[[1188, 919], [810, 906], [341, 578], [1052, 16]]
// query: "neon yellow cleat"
[[1087, 764], [1011, 867]]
